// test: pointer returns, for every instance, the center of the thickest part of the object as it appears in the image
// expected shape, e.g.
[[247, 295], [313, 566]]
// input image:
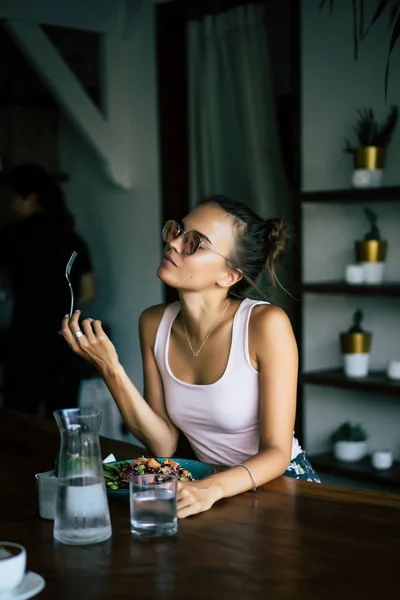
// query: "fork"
[[67, 275]]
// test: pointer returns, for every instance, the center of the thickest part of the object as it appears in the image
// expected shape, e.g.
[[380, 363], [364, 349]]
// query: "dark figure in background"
[[37, 238]]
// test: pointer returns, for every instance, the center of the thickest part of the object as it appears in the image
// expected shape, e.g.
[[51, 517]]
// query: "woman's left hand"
[[193, 499]]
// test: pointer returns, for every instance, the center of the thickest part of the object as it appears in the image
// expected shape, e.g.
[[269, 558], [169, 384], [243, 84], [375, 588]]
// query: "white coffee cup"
[[382, 459], [354, 274], [12, 565]]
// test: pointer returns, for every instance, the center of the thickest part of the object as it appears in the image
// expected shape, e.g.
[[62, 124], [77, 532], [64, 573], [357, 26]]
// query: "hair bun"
[[277, 238]]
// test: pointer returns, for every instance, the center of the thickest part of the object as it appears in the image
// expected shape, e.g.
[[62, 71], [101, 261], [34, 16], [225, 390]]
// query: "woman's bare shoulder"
[[150, 320], [152, 315], [269, 320], [270, 329]]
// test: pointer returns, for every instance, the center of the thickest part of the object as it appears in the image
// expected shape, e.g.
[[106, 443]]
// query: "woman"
[[36, 241], [221, 369]]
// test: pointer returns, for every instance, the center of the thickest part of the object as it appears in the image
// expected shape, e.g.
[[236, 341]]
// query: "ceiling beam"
[[109, 133]]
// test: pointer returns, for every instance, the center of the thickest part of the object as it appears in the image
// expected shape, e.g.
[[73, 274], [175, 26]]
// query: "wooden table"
[[289, 540]]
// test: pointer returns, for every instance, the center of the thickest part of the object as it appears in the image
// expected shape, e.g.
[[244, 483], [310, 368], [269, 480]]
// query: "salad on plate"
[[118, 474]]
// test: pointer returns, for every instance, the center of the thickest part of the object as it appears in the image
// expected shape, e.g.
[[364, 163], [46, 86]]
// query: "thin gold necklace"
[[208, 334]]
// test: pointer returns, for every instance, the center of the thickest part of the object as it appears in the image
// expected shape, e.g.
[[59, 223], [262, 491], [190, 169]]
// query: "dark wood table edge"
[[283, 485]]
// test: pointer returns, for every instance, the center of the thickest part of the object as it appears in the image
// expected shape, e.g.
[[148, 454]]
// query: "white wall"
[[334, 87], [122, 228]]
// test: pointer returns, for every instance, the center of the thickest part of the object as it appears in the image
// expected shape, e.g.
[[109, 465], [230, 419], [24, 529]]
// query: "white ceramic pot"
[[12, 566], [349, 451], [373, 272], [382, 459], [393, 370], [354, 274], [356, 365], [367, 178]]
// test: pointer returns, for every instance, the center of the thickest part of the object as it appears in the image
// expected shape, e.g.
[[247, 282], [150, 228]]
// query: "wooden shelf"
[[387, 289], [361, 470], [375, 382], [355, 195]]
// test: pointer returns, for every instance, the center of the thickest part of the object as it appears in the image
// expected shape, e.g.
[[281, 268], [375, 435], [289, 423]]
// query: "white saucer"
[[32, 584]]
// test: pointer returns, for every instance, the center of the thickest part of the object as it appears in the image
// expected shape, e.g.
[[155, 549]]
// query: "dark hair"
[[259, 243], [31, 178]]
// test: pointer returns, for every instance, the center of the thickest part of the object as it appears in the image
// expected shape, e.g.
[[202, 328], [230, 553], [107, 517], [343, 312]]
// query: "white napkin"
[[109, 458]]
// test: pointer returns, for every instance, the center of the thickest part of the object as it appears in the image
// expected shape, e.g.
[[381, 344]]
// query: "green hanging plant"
[[391, 7]]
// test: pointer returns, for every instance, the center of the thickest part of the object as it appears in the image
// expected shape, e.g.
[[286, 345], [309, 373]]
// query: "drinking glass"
[[47, 489], [153, 505]]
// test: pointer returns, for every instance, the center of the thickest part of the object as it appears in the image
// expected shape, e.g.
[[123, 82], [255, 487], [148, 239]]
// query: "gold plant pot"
[[369, 157], [370, 251], [355, 343]]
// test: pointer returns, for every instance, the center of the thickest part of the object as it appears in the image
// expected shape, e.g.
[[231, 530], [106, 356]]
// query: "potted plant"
[[349, 442], [370, 152], [371, 251], [356, 347]]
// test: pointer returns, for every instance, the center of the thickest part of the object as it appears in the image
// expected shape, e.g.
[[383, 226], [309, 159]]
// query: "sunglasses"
[[191, 241]]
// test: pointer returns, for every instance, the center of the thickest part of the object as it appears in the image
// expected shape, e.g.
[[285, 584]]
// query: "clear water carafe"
[[82, 515]]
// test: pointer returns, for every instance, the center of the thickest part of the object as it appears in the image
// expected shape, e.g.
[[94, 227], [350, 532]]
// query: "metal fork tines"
[[67, 275]]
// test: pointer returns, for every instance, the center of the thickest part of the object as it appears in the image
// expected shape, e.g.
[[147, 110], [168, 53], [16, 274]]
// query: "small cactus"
[[374, 233], [357, 320]]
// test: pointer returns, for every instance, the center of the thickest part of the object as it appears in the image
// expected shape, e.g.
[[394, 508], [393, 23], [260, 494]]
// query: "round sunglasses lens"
[[170, 231], [191, 242]]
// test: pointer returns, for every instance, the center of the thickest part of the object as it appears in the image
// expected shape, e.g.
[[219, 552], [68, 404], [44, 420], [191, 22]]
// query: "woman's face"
[[204, 270]]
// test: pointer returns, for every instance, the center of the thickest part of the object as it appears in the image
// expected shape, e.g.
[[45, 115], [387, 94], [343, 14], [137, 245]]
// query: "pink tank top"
[[220, 420]]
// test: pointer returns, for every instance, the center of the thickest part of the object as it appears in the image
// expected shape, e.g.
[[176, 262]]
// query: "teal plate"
[[198, 469]]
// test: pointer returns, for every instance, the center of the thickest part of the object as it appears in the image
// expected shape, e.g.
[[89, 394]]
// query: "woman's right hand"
[[94, 345]]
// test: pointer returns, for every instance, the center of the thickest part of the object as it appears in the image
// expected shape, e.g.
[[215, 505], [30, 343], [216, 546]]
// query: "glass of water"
[[153, 505], [47, 490]]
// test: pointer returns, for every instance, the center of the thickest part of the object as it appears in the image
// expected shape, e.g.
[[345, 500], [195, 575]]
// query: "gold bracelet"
[[250, 473]]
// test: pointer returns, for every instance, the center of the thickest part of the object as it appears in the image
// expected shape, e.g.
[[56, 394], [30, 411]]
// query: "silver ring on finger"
[[78, 334]]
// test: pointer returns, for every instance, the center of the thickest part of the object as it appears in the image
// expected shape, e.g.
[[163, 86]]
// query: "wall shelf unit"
[[360, 471], [353, 196], [376, 382], [387, 289]]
